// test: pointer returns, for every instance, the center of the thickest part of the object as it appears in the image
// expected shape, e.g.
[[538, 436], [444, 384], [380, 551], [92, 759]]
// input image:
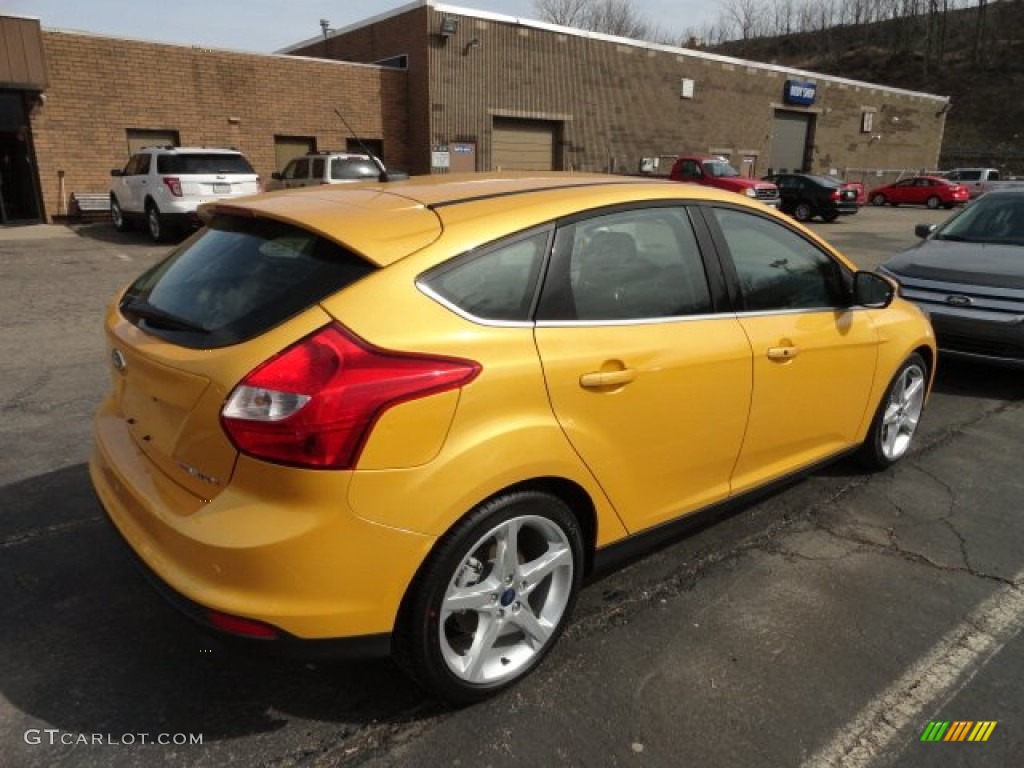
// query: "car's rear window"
[[353, 168], [194, 163], [236, 279]]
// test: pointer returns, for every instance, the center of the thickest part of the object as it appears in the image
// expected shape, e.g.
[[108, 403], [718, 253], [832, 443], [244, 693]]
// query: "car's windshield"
[[720, 169], [996, 219]]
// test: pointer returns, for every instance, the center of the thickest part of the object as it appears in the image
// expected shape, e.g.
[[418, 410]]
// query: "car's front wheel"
[[802, 212], [117, 216], [878, 200], [898, 415], [934, 202], [493, 598]]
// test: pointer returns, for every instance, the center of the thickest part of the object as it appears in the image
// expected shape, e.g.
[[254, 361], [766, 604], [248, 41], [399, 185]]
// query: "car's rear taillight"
[[835, 195], [173, 185], [314, 404]]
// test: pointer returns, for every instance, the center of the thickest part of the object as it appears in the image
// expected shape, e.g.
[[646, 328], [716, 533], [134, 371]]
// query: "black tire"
[[878, 200], [933, 202], [117, 217], [882, 447], [446, 649], [155, 223], [803, 212], [830, 217]]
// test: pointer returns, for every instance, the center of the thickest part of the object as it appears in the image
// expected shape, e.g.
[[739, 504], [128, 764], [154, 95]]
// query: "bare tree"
[[566, 13], [611, 17]]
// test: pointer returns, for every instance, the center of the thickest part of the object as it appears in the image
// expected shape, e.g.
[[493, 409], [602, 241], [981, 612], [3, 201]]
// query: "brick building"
[[436, 88], [490, 91]]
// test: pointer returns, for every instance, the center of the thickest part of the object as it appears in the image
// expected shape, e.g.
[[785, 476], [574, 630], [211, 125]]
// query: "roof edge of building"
[[520, 22]]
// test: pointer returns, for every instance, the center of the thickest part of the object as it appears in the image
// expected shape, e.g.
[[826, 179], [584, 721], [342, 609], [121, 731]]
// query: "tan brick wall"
[[99, 87], [618, 102], [402, 35]]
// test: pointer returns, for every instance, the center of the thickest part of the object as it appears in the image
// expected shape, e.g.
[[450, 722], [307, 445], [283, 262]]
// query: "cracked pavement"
[[788, 633]]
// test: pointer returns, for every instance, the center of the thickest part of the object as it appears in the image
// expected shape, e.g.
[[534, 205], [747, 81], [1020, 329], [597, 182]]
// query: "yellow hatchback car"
[[411, 417]]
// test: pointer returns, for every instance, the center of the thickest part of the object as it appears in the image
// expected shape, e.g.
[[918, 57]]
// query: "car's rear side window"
[[236, 279], [196, 163], [496, 284]]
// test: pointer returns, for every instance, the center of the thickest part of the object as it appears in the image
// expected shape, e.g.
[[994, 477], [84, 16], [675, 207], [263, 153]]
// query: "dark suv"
[[806, 195]]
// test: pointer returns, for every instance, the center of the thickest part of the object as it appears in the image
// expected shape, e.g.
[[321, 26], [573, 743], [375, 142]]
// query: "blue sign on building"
[[800, 92]]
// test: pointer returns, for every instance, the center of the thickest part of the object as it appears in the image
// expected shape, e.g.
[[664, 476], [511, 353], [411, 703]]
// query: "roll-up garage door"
[[523, 145], [789, 140]]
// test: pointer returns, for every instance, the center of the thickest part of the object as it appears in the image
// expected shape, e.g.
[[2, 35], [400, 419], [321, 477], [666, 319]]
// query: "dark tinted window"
[[631, 265], [777, 268], [353, 168], [297, 169], [498, 284], [236, 279], [213, 162]]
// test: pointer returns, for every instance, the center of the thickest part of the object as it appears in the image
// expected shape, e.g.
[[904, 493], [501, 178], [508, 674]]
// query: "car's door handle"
[[783, 353], [599, 379]]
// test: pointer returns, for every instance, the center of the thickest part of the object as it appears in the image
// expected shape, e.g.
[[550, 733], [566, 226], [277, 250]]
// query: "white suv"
[[164, 186], [327, 168]]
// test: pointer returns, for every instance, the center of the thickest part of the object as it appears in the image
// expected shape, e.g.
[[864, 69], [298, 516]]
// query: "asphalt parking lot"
[[826, 625]]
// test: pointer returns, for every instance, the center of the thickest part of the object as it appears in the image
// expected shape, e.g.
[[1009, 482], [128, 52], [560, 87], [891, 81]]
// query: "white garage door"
[[523, 145]]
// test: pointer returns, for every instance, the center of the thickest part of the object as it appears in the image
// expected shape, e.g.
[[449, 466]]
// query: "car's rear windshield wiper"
[[160, 317]]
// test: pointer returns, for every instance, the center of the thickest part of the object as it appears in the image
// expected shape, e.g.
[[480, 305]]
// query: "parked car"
[[714, 171], [859, 190], [981, 180], [932, 191], [327, 168], [806, 195], [164, 186], [413, 416], [968, 274]]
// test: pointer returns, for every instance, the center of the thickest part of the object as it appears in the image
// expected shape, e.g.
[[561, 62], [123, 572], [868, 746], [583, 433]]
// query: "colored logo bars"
[[958, 730]]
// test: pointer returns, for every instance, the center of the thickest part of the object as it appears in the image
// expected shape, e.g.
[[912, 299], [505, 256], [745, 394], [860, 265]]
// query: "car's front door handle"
[[599, 379], [783, 353]]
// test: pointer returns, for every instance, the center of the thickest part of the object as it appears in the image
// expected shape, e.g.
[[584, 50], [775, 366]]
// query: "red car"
[[858, 187], [932, 191]]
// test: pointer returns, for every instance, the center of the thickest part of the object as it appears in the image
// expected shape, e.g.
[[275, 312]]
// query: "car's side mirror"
[[923, 230], [276, 175], [872, 291], [116, 172]]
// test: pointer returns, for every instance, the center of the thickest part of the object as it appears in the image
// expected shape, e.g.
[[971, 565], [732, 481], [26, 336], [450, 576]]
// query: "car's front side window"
[[778, 269], [640, 264]]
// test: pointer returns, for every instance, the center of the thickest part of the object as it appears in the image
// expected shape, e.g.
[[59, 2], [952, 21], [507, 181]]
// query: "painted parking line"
[[929, 684]]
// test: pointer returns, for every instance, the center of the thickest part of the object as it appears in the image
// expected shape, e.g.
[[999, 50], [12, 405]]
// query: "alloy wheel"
[[902, 412], [506, 599]]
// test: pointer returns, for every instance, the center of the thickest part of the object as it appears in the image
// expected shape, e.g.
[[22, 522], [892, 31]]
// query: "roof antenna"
[[384, 175]]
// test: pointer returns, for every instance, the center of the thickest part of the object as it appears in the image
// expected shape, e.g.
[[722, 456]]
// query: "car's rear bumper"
[[268, 549]]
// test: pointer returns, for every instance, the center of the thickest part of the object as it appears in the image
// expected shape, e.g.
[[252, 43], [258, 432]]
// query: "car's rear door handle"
[[783, 353], [599, 379]]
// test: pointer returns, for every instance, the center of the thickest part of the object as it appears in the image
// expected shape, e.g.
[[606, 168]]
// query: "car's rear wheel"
[[934, 202], [117, 216], [802, 212], [878, 200], [493, 597], [892, 430], [830, 217], [155, 223]]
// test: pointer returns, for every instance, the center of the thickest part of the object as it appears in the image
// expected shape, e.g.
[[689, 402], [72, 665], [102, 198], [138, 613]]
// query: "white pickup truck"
[[981, 180]]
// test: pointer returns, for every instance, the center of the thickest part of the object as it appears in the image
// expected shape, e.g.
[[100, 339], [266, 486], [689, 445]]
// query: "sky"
[[265, 26]]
